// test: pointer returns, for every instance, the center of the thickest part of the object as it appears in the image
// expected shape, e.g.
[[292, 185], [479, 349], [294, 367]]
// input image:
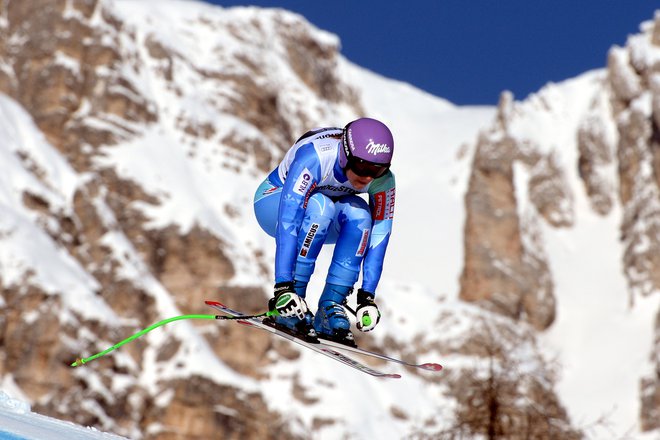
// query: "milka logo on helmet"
[[374, 148]]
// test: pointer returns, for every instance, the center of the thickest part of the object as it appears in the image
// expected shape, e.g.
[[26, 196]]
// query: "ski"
[[325, 350], [429, 366]]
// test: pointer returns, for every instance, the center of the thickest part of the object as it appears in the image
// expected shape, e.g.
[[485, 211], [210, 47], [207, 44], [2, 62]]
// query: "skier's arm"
[[381, 200], [302, 177]]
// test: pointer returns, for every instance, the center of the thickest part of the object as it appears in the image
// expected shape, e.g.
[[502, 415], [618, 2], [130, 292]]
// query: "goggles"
[[365, 168]]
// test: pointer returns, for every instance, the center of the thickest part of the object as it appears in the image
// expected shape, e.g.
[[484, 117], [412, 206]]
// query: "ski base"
[[429, 366]]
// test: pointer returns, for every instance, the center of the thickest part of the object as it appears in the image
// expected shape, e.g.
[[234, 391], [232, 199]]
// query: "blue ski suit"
[[308, 201]]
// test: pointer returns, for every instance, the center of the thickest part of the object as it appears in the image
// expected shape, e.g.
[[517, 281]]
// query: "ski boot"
[[299, 328], [331, 322]]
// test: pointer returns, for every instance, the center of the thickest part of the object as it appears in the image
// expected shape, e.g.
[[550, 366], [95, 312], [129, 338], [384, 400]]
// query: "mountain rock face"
[[106, 106], [76, 67], [505, 267], [634, 79]]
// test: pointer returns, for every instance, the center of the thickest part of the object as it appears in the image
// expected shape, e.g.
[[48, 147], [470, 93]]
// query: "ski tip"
[[209, 302], [392, 376], [431, 366]]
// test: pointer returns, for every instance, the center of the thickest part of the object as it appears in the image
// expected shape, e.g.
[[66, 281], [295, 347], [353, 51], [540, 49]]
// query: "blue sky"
[[468, 51]]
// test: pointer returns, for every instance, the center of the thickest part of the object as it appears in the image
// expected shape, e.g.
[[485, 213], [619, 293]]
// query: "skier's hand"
[[286, 302], [367, 313]]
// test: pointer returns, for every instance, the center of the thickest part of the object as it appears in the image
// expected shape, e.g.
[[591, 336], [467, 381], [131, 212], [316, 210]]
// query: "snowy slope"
[[196, 187], [196, 180], [599, 338], [27, 248], [432, 162], [18, 422]]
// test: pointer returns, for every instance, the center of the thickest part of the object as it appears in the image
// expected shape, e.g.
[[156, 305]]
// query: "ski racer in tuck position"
[[310, 200]]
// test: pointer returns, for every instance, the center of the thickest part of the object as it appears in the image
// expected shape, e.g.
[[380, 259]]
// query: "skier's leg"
[[319, 215], [266, 206], [353, 226], [353, 223]]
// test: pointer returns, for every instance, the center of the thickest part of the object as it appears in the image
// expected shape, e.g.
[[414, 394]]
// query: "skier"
[[311, 199]]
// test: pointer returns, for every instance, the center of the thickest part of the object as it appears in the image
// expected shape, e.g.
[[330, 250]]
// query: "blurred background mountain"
[[525, 255]]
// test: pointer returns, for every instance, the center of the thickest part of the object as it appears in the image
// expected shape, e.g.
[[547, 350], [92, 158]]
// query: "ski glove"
[[367, 313], [286, 302]]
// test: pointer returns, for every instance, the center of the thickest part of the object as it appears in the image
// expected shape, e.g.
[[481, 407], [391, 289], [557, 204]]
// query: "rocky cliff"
[[613, 153], [134, 137], [87, 79]]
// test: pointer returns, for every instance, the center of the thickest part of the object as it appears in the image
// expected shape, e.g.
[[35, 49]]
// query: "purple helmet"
[[367, 147]]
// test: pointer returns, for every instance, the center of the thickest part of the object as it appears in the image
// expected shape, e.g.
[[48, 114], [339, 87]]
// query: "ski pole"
[[366, 320], [353, 312], [82, 361]]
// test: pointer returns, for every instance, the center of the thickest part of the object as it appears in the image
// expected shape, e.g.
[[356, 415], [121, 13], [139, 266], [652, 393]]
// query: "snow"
[[18, 422], [430, 135], [35, 167], [604, 345], [602, 342]]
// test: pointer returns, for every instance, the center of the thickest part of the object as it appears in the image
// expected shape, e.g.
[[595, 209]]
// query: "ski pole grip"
[[366, 320]]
